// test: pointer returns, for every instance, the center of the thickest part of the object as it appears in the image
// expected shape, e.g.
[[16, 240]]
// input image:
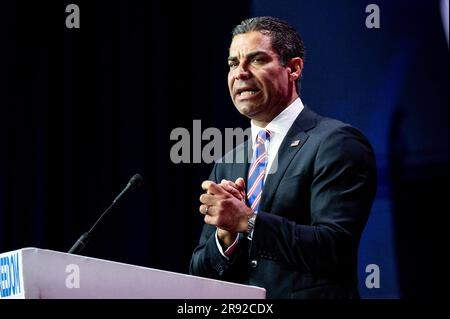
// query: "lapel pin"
[[295, 143]]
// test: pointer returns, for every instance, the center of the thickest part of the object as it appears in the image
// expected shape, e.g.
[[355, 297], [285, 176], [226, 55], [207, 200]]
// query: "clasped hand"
[[224, 206]]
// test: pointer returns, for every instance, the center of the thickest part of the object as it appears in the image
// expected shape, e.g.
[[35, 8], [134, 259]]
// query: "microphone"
[[134, 182]]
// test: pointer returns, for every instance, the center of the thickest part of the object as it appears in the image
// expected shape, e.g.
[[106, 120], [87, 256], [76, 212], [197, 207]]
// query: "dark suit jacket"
[[312, 212]]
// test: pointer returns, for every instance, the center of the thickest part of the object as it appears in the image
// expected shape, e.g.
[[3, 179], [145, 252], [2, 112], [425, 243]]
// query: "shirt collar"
[[281, 124]]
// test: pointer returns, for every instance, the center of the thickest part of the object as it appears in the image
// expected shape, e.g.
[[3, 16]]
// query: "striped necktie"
[[255, 179]]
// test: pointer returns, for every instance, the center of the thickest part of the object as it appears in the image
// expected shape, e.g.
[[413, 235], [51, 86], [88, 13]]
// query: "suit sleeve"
[[207, 261], [342, 189]]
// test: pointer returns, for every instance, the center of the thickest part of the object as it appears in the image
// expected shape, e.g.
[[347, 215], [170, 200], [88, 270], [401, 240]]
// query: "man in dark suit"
[[289, 217]]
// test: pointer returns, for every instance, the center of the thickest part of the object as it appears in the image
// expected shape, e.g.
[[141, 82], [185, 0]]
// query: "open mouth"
[[247, 92]]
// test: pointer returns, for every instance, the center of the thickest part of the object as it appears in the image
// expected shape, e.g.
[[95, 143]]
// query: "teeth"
[[244, 93]]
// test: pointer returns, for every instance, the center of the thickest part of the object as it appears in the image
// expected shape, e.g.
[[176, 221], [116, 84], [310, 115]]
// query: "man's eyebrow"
[[248, 56]]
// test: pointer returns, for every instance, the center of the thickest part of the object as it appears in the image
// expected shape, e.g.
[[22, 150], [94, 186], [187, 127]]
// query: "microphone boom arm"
[[135, 181]]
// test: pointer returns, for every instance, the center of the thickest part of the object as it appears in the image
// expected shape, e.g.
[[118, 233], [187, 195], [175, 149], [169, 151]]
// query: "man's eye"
[[258, 60], [232, 64]]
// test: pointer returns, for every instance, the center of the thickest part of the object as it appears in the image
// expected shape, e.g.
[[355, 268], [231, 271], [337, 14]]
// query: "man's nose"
[[242, 73]]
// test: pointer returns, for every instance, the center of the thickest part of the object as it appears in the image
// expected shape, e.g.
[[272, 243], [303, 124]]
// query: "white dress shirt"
[[278, 128]]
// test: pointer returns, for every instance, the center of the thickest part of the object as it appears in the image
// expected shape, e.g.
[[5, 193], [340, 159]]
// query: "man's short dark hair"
[[285, 40]]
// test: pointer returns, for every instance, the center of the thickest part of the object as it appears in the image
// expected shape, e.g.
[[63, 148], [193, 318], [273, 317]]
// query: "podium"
[[32, 273]]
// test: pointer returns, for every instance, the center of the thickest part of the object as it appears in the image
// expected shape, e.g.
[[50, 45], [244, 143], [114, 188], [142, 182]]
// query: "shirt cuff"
[[227, 253]]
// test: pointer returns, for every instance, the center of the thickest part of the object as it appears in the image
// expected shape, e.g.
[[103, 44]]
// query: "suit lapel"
[[292, 143]]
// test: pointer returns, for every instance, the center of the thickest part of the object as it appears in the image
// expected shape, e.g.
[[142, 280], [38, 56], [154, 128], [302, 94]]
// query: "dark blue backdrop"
[[392, 83]]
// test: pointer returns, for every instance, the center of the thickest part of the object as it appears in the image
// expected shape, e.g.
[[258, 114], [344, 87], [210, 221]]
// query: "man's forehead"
[[251, 41]]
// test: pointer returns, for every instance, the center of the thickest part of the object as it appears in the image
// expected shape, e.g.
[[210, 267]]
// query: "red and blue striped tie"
[[255, 179]]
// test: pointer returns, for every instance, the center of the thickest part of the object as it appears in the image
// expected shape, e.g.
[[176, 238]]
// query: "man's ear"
[[296, 67]]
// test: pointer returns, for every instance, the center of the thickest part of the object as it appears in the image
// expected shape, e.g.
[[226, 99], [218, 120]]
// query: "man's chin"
[[248, 114], [247, 109]]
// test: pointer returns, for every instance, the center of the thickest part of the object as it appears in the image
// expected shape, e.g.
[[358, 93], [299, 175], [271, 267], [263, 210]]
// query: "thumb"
[[240, 182]]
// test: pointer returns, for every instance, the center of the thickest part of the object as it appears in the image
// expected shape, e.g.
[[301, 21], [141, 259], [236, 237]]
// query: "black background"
[[82, 110]]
